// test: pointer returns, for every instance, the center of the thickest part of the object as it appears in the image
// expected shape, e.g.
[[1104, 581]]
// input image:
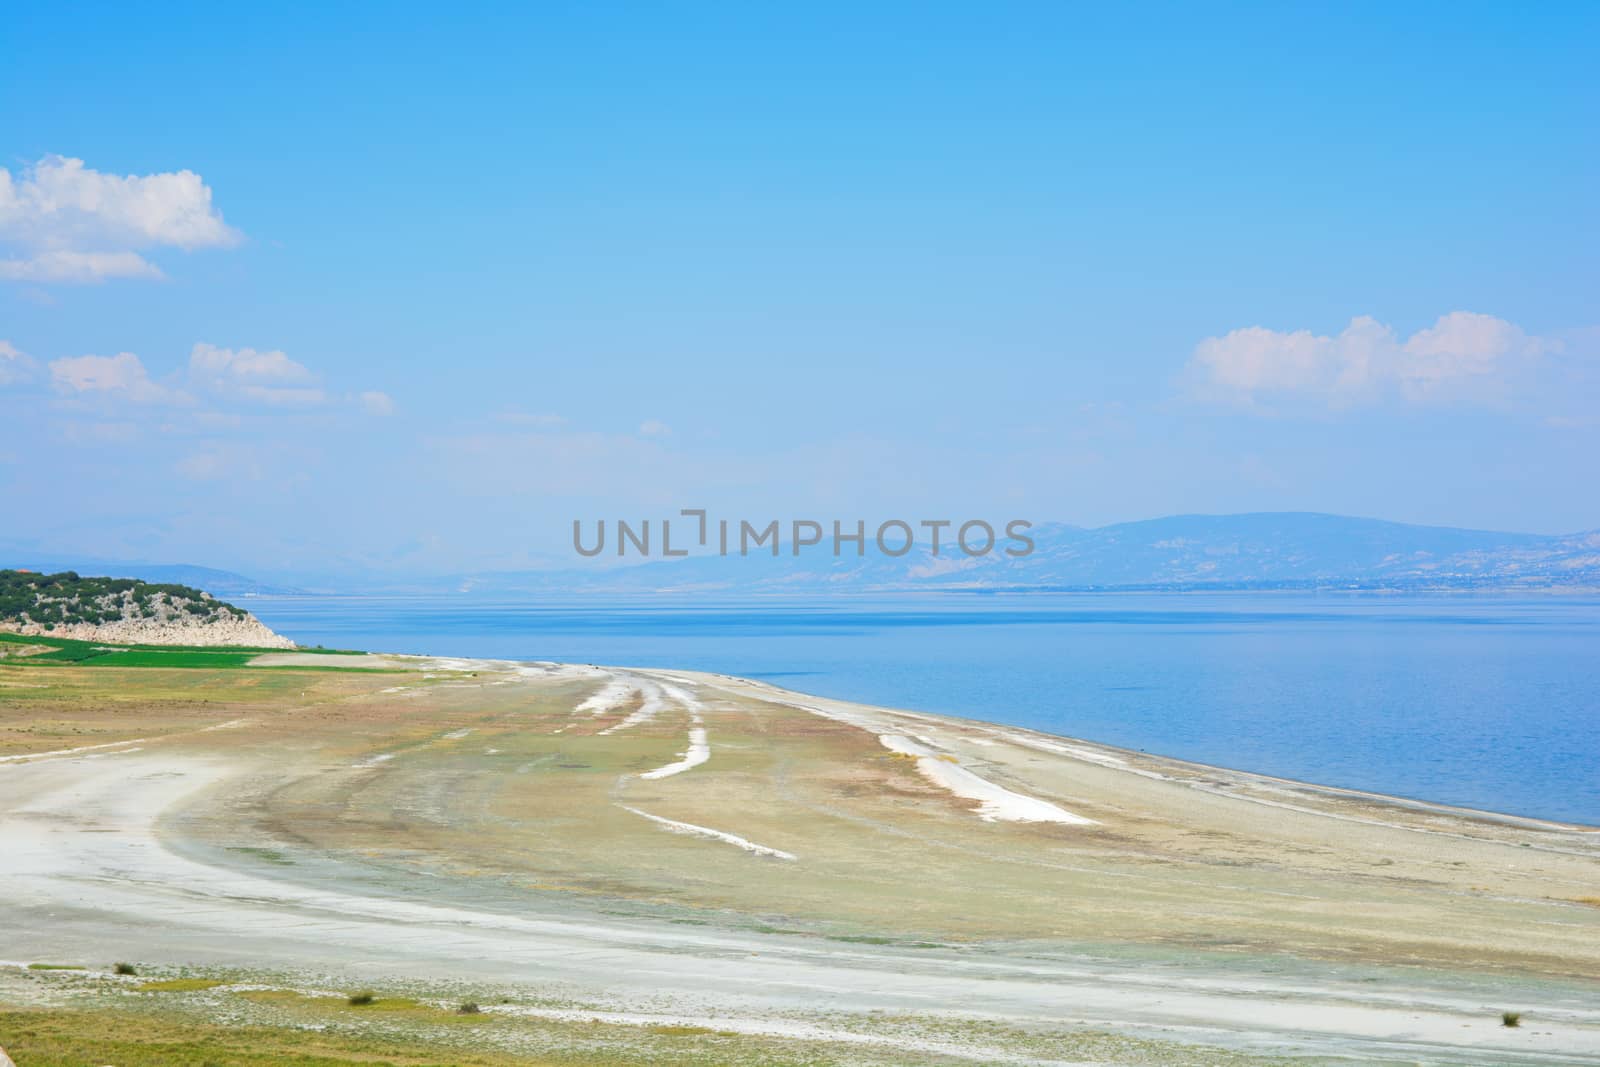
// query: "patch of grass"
[[282, 997], [60, 1038], [365, 1002], [77, 652], [672, 1030], [62, 650], [284, 1028], [469, 1007], [146, 658], [72, 642], [1511, 1018], [402, 1005], [180, 985], [125, 968], [55, 967]]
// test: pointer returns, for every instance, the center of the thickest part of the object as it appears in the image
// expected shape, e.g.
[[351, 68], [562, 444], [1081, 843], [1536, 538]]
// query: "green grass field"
[[61, 650], [117, 657]]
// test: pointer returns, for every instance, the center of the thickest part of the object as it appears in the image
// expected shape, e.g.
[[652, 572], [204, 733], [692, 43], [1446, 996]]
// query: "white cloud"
[[246, 365], [1463, 343], [374, 402], [654, 428], [270, 378], [219, 388], [1364, 361], [121, 375], [74, 224], [15, 365], [80, 268]]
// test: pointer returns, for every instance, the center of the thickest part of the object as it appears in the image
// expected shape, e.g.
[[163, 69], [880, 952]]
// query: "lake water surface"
[[1488, 702]]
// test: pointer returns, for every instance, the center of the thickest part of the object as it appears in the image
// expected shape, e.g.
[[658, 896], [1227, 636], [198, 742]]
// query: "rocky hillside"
[[125, 611]]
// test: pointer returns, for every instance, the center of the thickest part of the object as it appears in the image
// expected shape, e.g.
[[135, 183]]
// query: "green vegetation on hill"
[[68, 598]]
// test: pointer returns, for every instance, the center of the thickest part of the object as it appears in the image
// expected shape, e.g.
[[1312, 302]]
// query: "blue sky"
[[436, 283]]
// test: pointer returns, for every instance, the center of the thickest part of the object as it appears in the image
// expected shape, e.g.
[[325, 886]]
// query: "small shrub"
[[469, 1008], [125, 968], [1511, 1018], [361, 999]]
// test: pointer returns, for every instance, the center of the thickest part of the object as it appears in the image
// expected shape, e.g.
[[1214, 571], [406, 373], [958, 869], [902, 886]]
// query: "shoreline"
[[1196, 766], [797, 698], [453, 827], [1459, 729]]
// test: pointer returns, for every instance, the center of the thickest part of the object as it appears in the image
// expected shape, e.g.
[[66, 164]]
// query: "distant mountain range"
[[1292, 550], [1184, 552]]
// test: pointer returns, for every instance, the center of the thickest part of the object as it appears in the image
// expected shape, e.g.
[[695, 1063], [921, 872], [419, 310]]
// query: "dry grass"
[[76, 1038], [180, 985]]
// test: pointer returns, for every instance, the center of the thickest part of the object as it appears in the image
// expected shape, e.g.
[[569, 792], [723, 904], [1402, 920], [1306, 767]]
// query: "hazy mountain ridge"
[[1270, 550], [1295, 548], [214, 581], [1250, 551]]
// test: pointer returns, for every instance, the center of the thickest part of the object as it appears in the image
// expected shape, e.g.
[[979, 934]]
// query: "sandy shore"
[[650, 847]]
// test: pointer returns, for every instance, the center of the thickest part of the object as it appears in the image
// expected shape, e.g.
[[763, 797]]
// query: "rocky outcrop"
[[247, 631], [125, 611]]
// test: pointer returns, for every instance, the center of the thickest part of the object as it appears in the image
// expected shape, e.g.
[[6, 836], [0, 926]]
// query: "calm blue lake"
[[1488, 702]]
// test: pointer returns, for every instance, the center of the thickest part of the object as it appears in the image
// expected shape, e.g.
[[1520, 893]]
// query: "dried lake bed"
[[623, 865]]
